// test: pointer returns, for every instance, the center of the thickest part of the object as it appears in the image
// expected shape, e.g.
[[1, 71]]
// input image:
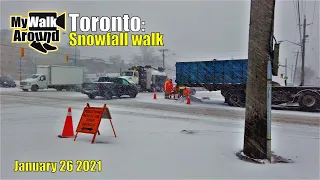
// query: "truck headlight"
[[5, 82]]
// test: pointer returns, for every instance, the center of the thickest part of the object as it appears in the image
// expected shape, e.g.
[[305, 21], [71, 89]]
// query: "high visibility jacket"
[[166, 85], [170, 86], [186, 92]]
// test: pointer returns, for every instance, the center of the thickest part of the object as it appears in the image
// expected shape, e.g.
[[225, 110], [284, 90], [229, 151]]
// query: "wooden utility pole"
[[295, 67], [257, 142], [292, 69], [163, 56], [303, 49]]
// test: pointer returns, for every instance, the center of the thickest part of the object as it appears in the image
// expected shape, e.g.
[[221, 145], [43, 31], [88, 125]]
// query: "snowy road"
[[215, 108], [149, 143]]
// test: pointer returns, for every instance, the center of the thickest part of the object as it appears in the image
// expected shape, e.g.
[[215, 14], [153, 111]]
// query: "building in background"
[[10, 57]]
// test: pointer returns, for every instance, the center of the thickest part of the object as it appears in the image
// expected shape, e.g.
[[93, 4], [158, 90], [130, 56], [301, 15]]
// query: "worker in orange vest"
[[166, 88], [186, 92], [176, 91], [170, 88]]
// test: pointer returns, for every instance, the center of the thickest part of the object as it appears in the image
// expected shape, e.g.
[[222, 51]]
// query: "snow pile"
[[150, 144], [274, 159], [193, 99]]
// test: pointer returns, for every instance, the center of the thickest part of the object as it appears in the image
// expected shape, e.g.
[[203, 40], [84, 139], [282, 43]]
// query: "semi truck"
[[230, 77], [54, 76], [146, 78]]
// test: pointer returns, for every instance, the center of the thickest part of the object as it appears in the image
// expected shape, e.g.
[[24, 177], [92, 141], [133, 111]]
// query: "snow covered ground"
[[149, 143], [215, 101]]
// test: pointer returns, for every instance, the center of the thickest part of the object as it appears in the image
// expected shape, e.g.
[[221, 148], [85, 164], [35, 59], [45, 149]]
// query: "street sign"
[[90, 120], [286, 77], [72, 59]]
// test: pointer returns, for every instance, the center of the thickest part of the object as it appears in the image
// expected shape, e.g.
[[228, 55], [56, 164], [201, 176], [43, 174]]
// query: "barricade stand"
[[90, 121]]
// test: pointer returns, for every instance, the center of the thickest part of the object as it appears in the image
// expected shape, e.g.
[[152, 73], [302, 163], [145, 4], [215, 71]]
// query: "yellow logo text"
[[61, 166], [116, 39]]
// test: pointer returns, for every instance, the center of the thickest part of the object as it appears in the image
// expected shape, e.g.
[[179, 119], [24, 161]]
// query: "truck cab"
[[158, 79], [131, 75], [34, 82]]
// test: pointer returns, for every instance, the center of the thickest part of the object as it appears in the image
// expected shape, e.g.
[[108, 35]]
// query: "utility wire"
[[59, 53]]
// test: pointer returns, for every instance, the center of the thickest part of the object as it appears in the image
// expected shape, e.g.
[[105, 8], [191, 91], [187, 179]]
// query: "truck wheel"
[[309, 100], [91, 96], [107, 96], [236, 99], [133, 94], [25, 90], [34, 88], [226, 99], [69, 89], [77, 88]]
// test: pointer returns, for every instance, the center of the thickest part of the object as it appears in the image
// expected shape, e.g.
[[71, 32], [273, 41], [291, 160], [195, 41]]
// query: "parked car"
[[7, 81], [109, 87]]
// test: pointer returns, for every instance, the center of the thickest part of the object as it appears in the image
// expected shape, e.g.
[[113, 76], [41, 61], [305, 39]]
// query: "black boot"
[[38, 46], [49, 47]]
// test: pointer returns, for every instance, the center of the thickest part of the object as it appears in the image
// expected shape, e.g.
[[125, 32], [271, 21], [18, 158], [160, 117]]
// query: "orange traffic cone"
[[188, 100], [155, 95], [67, 131]]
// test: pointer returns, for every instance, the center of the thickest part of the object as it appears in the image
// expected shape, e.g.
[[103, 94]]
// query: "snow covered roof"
[[158, 73]]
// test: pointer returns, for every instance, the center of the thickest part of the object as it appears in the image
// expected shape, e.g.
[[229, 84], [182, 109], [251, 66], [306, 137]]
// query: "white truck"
[[54, 76], [146, 78]]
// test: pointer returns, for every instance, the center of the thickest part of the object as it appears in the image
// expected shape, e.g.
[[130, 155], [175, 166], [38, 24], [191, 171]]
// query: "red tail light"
[[99, 86]]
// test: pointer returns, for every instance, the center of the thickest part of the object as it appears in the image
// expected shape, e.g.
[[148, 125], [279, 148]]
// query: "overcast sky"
[[198, 30]]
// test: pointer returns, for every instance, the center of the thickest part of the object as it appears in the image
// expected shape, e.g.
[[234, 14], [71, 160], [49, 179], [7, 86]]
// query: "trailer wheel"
[[25, 90], [309, 100], [59, 88], [226, 99], [236, 99], [34, 88], [91, 96], [193, 91]]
